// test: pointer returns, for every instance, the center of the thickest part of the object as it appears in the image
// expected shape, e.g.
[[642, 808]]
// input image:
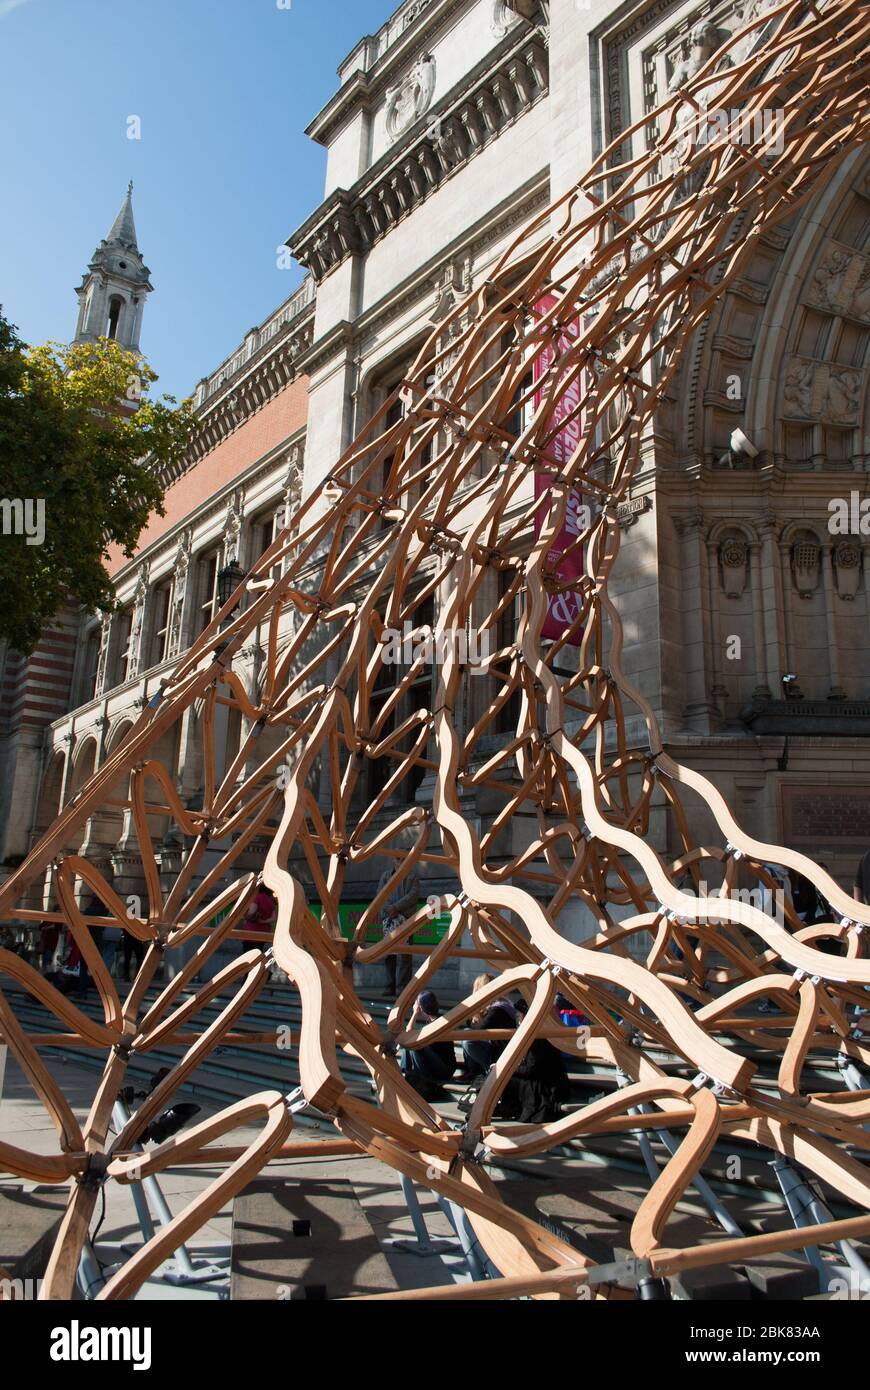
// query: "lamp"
[[228, 580]]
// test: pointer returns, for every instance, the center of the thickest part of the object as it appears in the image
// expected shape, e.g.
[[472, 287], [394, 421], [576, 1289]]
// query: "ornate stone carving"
[[798, 390], [407, 101], [859, 308], [820, 391], [233, 525], [137, 624], [504, 17], [753, 9], [291, 487], [841, 284], [413, 12], [733, 565], [103, 658], [703, 41], [829, 281], [843, 395], [846, 560], [450, 286], [179, 590], [806, 558]]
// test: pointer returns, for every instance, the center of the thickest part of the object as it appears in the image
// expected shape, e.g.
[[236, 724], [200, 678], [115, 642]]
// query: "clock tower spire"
[[115, 285]]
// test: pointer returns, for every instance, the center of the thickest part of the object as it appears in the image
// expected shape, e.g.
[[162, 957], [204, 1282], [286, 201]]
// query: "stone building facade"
[[451, 130]]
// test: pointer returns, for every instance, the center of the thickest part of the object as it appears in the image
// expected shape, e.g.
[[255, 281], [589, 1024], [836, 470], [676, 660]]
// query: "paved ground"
[[23, 1121]]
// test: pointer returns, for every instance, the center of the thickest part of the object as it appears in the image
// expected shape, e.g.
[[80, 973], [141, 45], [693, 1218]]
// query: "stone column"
[[836, 691], [772, 601], [785, 598], [718, 692], [762, 675], [700, 713]]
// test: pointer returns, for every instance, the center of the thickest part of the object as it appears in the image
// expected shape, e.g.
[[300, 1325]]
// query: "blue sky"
[[222, 174]]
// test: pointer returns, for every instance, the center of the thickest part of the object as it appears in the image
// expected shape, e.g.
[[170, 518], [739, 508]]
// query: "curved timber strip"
[[577, 332]]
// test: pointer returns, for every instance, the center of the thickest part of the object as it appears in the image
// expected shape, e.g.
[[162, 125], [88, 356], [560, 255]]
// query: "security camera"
[[740, 451], [741, 446]]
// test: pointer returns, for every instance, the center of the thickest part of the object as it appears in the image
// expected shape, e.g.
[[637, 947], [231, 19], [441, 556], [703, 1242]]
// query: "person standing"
[[400, 904], [861, 886]]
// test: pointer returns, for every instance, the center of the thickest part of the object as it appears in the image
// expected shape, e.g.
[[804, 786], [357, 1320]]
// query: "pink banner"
[[565, 606]]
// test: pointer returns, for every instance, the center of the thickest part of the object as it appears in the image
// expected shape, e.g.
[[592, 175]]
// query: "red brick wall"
[[281, 417]]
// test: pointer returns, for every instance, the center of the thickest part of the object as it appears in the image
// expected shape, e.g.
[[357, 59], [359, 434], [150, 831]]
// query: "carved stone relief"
[[233, 525], [181, 570], [407, 101], [413, 12], [451, 284], [504, 17], [103, 658], [140, 596], [806, 561], [733, 565], [693, 52], [841, 284], [820, 391], [846, 559]]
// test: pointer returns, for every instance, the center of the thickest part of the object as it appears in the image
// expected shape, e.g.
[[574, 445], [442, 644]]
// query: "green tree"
[[81, 449]]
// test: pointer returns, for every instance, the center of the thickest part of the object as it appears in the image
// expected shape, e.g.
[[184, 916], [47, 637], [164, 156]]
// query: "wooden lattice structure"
[[582, 324]]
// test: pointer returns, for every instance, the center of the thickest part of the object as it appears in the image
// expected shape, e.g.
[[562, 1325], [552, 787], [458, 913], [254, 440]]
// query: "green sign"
[[350, 915]]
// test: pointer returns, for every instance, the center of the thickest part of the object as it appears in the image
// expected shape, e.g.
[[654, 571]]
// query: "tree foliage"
[[80, 434]]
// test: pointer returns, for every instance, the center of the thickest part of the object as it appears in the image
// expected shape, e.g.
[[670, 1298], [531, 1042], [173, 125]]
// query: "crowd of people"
[[54, 951], [538, 1085]]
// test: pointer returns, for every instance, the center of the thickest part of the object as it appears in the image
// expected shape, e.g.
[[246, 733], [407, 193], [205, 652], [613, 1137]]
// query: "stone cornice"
[[521, 205], [367, 83], [289, 450], [246, 391], [506, 84]]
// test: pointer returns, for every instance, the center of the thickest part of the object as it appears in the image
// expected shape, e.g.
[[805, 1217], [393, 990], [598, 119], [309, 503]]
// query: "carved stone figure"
[[703, 42], [860, 305], [103, 658], [798, 392], [413, 12], [843, 395], [134, 649], [233, 525], [753, 9], [179, 591], [828, 282]]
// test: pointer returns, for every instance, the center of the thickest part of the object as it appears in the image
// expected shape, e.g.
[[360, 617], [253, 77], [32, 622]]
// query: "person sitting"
[[480, 1053], [538, 1086], [569, 1014], [260, 917], [48, 945], [427, 1068]]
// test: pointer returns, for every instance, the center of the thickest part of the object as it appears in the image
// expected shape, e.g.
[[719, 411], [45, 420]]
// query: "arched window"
[[89, 666], [162, 610], [116, 304]]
